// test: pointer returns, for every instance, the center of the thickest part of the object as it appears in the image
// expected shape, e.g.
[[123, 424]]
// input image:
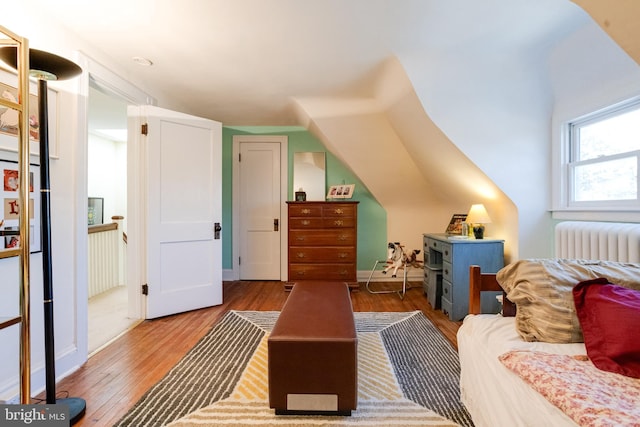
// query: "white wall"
[[107, 175], [583, 81], [505, 111], [496, 109]]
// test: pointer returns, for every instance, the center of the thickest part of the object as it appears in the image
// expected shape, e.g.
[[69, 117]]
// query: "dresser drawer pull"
[[342, 237], [446, 272], [338, 211], [446, 253], [343, 273], [300, 238], [300, 255], [338, 222], [300, 273], [306, 211], [342, 255], [306, 222]]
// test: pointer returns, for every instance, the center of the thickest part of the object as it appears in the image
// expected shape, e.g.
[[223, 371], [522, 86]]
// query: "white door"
[[182, 208], [259, 211]]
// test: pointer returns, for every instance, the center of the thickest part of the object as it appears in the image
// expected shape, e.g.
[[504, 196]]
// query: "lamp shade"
[[478, 215], [43, 65]]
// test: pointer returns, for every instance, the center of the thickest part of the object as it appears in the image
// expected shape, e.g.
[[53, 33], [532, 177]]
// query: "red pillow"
[[610, 318]]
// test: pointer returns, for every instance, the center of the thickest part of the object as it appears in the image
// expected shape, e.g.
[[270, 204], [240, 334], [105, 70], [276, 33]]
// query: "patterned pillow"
[[542, 292]]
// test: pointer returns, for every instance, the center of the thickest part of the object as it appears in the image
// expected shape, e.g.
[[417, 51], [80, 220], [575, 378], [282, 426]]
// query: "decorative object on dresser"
[[446, 271], [344, 191], [301, 196], [323, 241]]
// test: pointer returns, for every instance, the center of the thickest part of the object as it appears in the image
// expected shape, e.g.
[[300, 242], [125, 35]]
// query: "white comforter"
[[494, 395]]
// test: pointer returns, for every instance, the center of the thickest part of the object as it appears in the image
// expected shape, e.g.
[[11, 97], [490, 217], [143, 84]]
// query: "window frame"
[[571, 147]]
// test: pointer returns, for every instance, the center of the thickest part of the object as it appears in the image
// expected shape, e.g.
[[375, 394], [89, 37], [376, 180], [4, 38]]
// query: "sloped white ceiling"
[[241, 62]]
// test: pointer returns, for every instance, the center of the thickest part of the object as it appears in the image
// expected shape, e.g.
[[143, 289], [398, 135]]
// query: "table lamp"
[[477, 217]]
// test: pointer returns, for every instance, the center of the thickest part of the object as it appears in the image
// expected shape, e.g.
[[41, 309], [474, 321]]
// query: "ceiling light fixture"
[[145, 62]]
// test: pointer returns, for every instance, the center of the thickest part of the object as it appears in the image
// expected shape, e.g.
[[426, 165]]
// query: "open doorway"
[[107, 217]]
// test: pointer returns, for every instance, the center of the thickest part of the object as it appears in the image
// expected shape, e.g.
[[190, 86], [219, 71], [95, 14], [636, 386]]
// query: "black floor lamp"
[[46, 66]]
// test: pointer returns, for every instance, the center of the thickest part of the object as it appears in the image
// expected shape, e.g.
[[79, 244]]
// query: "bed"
[[496, 395]]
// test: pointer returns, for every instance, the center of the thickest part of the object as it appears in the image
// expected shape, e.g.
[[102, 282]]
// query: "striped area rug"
[[408, 375]]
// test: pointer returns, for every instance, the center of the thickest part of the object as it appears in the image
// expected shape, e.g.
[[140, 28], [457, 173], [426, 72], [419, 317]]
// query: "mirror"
[[309, 174]]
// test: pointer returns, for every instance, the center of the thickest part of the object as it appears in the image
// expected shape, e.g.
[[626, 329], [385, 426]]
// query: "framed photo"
[[95, 211], [10, 212], [9, 117], [455, 225], [344, 191]]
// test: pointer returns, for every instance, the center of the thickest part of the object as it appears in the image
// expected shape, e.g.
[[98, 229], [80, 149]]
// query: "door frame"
[[283, 140], [110, 81]]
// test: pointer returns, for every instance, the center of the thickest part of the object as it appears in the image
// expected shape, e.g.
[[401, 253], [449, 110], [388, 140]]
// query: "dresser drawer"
[[305, 223], [322, 272], [335, 237], [305, 210], [447, 290], [337, 222], [447, 252], [433, 287], [337, 254], [339, 210], [447, 271]]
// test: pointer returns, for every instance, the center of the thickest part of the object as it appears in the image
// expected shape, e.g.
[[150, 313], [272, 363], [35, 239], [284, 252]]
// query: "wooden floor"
[[115, 378]]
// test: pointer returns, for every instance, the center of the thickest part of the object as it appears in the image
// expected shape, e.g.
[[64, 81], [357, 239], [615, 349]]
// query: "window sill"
[[596, 215]]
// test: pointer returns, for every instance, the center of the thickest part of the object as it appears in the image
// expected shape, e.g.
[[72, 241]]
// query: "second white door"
[[259, 210]]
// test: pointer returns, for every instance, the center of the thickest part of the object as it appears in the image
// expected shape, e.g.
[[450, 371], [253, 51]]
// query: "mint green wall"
[[372, 218]]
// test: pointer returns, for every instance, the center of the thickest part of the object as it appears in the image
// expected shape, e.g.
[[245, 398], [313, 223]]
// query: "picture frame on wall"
[[9, 117], [10, 211], [95, 211]]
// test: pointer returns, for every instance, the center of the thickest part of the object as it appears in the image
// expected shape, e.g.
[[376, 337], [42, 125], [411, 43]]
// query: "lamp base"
[[478, 231], [77, 407]]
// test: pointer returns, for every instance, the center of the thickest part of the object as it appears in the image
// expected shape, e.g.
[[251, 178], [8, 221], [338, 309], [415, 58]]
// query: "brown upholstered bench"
[[312, 352]]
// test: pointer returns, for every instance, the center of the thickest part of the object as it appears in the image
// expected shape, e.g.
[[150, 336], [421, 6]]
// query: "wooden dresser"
[[323, 241]]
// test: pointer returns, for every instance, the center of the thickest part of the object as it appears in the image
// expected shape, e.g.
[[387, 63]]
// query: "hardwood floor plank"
[[115, 378]]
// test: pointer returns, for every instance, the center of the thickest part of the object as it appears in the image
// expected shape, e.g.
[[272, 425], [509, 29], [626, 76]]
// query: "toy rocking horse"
[[397, 258]]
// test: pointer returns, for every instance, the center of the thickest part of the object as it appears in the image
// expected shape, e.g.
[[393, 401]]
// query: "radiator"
[[609, 241], [104, 261]]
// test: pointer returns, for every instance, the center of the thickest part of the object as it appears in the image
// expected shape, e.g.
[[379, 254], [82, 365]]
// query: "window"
[[604, 156]]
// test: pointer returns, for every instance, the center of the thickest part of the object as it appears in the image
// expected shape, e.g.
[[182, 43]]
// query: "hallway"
[[108, 318]]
